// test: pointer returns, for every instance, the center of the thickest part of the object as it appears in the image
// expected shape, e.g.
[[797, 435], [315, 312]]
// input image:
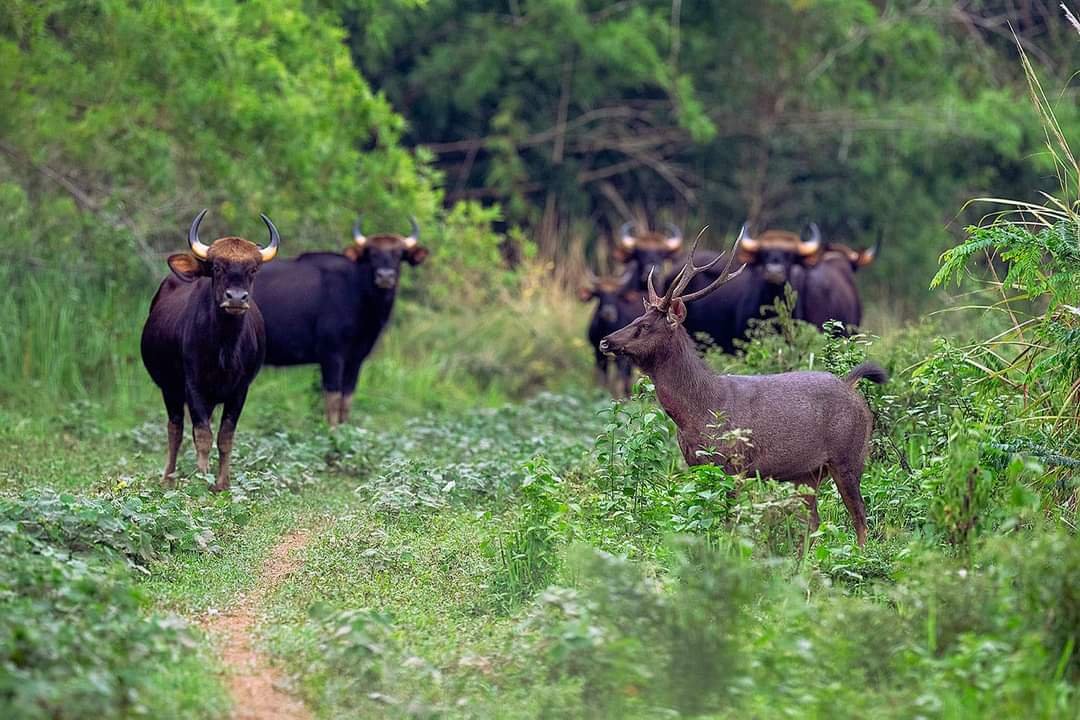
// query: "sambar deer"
[[795, 427]]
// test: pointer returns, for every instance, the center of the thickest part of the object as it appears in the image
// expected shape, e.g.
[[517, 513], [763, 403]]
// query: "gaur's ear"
[[416, 255], [355, 252], [584, 293], [631, 295], [621, 254], [865, 257], [676, 312], [187, 267]]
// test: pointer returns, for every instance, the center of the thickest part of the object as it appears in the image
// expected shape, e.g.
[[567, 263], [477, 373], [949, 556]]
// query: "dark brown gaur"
[[618, 303], [330, 309], [795, 427], [647, 250], [828, 290], [204, 342]]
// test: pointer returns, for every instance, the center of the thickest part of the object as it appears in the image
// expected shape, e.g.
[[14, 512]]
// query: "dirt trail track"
[[254, 684]]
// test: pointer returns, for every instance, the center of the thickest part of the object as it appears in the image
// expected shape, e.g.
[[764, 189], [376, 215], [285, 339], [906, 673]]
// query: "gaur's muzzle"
[[775, 273], [236, 302], [385, 279]]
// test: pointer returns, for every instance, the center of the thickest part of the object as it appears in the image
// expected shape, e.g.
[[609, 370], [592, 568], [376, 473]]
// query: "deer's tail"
[[871, 371]]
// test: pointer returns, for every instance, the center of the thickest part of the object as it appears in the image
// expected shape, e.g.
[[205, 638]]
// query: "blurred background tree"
[[521, 132], [863, 115]]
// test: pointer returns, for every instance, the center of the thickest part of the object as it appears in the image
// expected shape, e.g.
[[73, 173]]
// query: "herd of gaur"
[[220, 316]]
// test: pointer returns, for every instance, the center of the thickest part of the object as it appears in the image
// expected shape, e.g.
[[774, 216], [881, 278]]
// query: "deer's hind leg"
[[847, 477]]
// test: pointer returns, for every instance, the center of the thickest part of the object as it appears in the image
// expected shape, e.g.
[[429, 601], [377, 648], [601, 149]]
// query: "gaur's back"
[[299, 299]]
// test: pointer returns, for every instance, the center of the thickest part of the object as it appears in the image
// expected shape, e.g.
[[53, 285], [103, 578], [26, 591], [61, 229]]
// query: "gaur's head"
[[855, 258], [775, 252], [386, 252], [229, 262], [609, 291], [647, 250], [656, 333]]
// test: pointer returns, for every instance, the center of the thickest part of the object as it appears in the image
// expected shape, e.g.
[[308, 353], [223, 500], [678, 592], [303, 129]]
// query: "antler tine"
[[690, 270], [724, 276]]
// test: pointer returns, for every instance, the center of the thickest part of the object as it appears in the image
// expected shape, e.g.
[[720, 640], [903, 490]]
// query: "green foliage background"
[[482, 547]]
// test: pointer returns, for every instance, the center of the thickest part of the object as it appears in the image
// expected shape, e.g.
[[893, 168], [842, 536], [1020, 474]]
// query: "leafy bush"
[[528, 553], [75, 637]]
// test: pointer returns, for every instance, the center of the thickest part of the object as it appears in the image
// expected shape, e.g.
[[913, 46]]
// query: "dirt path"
[[254, 684]]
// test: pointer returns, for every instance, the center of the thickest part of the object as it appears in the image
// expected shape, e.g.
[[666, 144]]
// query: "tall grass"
[[73, 339]]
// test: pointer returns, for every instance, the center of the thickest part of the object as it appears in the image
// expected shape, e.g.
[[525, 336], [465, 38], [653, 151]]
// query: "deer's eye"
[[637, 333]]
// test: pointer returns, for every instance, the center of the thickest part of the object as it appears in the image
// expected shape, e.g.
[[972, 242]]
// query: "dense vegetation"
[[493, 537]]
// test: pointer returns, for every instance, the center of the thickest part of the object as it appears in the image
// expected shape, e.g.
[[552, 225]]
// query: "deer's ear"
[[676, 312]]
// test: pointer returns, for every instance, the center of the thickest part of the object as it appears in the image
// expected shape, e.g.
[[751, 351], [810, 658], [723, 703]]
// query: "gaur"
[[204, 342], [828, 290], [618, 303], [796, 427], [773, 260], [329, 308], [647, 250]]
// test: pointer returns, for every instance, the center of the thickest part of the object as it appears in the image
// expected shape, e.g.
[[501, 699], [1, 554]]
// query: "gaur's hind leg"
[[847, 478], [230, 415], [174, 408]]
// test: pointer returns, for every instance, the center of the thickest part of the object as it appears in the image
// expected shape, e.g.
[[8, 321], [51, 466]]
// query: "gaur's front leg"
[[200, 427], [333, 368], [230, 416], [350, 377], [602, 370]]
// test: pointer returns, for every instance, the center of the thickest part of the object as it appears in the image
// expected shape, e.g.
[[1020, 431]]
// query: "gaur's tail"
[[868, 370]]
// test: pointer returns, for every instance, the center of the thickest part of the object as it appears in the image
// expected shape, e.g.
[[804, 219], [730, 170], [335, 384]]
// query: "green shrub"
[[76, 640]]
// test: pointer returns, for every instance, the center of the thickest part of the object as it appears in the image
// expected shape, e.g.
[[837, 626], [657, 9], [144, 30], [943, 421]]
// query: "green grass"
[[484, 547]]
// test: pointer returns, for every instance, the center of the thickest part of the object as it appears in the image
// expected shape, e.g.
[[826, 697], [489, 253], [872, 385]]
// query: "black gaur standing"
[[203, 342], [647, 251], [328, 309], [618, 303], [828, 289], [773, 260]]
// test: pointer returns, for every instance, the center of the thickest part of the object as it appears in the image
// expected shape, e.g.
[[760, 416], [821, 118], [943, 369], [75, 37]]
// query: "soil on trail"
[[255, 685]]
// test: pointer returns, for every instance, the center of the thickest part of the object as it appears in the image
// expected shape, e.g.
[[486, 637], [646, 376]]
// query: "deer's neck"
[[685, 386]]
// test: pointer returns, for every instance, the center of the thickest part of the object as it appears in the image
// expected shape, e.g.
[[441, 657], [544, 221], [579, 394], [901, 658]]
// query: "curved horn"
[[357, 233], [868, 256], [626, 238], [811, 246], [198, 249], [270, 250], [674, 239], [414, 236], [745, 242]]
